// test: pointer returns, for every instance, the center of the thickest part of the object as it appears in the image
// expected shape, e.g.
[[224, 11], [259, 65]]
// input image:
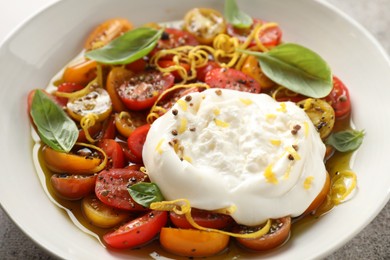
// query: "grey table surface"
[[372, 243]]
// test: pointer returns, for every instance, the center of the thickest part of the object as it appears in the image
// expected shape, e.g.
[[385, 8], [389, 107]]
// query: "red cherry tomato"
[[111, 188], [137, 66], [113, 150], [72, 187], [169, 100], [138, 231], [269, 37], [67, 87], [170, 63], [279, 232], [203, 218], [136, 140], [202, 71], [93, 131], [231, 79], [339, 98], [128, 154], [142, 90], [173, 38], [108, 129]]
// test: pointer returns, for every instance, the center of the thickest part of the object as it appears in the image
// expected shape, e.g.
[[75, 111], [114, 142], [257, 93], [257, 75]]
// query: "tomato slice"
[[137, 66], [203, 218], [100, 214], [67, 87], [169, 63], [202, 71], [81, 72], [127, 122], [142, 90], [173, 38], [116, 77], [231, 79], [170, 99], [111, 188], [72, 187], [278, 234], [270, 37], [138, 231], [113, 150], [128, 154], [192, 242], [252, 68], [136, 140], [339, 98]]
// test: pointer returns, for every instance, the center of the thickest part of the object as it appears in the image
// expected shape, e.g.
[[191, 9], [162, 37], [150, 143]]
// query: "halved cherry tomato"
[[170, 63], [202, 71], [339, 98], [111, 188], [192, 242], [78, 161], [138, 231], [136, 140], [114, 153], [67, 87], [278, 234], [173, 38], [270, 37], [203, 218], [100, 214], [81, 72], [231, 79], [320, 197], [205, 24], [170, 99], [128, 154], [106, 32], [116, 77], [108, 129], [142, 90], [252, 68], [137, 66], [96, 102], [127, 122], [73, 187], [93, 132], [284, 94]]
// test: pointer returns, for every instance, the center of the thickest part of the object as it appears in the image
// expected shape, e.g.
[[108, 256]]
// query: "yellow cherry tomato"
[[106, 32], [82, 161], [252, 68], [100, 214], [115, 78], [80, 72], [127, 122], [97, 102], [205, 24]]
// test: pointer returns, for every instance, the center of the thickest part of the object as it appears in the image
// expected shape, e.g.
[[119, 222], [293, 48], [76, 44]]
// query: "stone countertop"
[[372, 243]]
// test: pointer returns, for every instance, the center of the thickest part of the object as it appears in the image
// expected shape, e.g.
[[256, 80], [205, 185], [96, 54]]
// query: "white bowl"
[[41, 47]]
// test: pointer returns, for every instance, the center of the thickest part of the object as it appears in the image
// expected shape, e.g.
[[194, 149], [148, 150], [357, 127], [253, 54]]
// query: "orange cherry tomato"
[[279, 232], [205, 24], [82, 161], [80, 73], [192, 242], [127, 122], [106, 32], [100, 214], [320, 197], [116, 78], [73, 187], [252, 68]]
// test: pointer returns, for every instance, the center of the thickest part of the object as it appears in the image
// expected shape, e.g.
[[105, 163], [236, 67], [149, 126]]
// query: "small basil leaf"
[[127, 48], [54, 127], [296, 68], [235, 16], [144, 193], [346, 141]]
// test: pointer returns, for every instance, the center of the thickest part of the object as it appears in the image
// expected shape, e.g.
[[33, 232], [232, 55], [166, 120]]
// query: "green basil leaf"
[[54, 126], [235, 16], [296, 68], [127, 48], [346, 141], [144, 193]]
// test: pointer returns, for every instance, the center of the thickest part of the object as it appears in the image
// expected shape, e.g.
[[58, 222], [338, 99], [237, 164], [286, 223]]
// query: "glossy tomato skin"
[[137, 139], [173, 38], [339, 98], [115, 78], [73, 187], [80, 73], [67, 87], [232, 79], [113, 150], [201, 72], [278, 234], [142, 90], [170, 63], [203, 218], [138, 231], [269, 38], [111, 188]]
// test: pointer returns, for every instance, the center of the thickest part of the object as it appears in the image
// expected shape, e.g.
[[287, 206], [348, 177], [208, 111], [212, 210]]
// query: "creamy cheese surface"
[[228, 149]]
